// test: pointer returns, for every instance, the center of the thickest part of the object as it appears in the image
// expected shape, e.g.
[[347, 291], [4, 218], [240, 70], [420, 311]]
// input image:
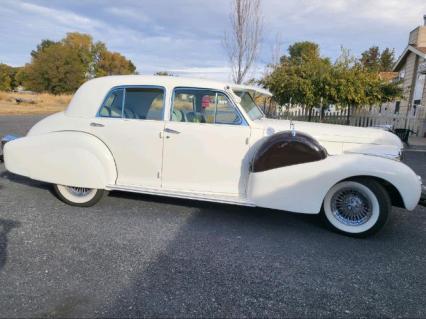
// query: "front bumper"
[[3, 141]]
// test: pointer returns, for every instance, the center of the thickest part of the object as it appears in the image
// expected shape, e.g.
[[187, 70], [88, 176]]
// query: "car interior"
[[203, 106], [194, 106], [139, 103]]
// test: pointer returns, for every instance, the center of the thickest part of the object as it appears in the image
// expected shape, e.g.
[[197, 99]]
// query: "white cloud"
[[128, 13], [185, 36]]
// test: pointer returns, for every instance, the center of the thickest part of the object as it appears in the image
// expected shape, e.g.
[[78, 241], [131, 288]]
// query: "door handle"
[[169, 130], [96, 124]]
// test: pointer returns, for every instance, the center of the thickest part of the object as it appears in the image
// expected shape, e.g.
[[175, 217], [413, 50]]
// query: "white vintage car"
[[209, 141]]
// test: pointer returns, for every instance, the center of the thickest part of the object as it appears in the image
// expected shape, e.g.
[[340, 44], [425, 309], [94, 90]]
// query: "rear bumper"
[[3, 141]]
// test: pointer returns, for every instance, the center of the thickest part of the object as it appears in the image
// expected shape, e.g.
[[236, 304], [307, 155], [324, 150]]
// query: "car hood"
[[359, 137]]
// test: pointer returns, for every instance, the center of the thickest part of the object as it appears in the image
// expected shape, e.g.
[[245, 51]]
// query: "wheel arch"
[[394, 194]]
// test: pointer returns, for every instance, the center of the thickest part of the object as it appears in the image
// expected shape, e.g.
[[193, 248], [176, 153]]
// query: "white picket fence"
[[363, 118]]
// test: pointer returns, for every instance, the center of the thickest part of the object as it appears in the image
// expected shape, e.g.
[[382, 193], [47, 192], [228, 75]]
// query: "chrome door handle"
[[96, 124], [169, 130]]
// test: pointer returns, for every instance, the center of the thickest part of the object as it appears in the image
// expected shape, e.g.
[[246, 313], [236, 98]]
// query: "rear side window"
[[144, 104], [134, 103], [113, 104]]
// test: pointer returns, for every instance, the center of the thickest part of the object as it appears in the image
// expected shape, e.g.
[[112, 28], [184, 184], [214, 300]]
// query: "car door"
[[130, 122], [206, 144]]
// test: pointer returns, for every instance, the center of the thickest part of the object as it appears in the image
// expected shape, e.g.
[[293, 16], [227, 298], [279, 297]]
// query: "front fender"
[[302, 188], [67, 158]]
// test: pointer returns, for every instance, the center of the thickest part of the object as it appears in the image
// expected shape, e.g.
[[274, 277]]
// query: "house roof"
[[420, 51]]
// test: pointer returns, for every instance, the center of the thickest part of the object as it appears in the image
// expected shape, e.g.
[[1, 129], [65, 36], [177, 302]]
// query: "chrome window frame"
[[124, 87], [243, 120]]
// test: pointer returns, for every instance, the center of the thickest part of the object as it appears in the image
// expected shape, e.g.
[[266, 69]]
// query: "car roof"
[[89, 97]]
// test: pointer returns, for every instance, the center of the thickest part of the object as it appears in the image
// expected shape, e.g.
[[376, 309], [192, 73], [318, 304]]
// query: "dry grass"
[[40, 103]]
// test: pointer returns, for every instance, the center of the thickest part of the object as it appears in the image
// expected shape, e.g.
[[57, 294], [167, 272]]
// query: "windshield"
[[249, 105]]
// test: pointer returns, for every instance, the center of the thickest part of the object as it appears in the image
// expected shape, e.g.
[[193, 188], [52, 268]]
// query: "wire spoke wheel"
[[351, 206], [78, 196], [79, 191], [356, 207]]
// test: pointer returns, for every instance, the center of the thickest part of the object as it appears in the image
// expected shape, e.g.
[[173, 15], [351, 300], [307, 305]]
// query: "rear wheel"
[[357, 208], [78, 196]]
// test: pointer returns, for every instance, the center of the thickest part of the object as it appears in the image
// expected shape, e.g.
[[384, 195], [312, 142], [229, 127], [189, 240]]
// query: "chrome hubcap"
[[351, 207], [79, 191]]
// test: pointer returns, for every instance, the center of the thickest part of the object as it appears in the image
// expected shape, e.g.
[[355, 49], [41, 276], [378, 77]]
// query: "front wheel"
[[357, 208], [78, 196]]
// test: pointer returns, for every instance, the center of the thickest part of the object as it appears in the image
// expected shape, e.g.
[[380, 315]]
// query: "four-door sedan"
[[209, 141]]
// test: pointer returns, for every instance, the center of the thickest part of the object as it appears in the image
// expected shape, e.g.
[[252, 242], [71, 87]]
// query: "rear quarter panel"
[[67, 158]]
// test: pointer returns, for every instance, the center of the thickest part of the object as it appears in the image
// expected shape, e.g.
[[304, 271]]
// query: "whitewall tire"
[[78, 196], [358, 207]]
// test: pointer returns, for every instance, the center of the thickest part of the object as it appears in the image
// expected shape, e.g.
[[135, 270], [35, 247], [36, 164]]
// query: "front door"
[[130, 123], [205, 144]]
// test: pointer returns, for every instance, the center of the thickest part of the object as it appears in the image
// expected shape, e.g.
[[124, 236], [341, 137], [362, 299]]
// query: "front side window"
[[203, 106], [134, 103]]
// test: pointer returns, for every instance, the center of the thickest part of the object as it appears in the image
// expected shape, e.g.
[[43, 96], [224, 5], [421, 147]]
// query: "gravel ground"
[[134, 255]]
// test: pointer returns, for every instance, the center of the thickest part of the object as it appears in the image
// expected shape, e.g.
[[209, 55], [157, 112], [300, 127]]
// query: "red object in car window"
[[205, 101]]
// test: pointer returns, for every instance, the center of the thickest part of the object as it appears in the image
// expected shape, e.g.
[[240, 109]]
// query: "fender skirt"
[[286, 149]]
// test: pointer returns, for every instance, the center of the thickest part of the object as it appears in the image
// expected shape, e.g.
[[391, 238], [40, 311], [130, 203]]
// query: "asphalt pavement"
[[138, 255]]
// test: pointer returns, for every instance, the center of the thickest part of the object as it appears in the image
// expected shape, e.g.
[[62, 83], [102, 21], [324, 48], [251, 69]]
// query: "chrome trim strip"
[[186, 195]]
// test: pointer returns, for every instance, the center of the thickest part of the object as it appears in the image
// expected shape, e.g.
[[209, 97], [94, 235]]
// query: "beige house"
[[411, 67]]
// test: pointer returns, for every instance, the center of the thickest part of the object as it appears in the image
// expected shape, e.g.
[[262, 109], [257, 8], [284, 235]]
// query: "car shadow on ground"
[[5, 227], [25, 181], [266, 215], [232, 261]]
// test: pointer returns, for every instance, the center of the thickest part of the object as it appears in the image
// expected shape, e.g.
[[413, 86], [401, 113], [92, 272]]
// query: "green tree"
[[303, 51], [376, 61], [40, 47], [5, 80], [387, 59], [303, 77], [370, 59], [8, 78], [57, 70], [306, 78], [113, 63], [61, 67]]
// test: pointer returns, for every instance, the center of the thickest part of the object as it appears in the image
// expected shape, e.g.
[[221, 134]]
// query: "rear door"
[[130, 122]]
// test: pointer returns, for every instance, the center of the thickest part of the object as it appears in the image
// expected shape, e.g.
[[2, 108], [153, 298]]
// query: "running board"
[[225, 199]]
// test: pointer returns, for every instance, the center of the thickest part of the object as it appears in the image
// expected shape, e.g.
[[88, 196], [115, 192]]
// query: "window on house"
[[397, 106]]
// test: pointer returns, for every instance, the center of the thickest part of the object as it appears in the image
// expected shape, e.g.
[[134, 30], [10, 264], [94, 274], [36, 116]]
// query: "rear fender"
[[67, 158]]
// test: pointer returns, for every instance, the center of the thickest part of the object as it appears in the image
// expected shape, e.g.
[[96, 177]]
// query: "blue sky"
[[185, 36]]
